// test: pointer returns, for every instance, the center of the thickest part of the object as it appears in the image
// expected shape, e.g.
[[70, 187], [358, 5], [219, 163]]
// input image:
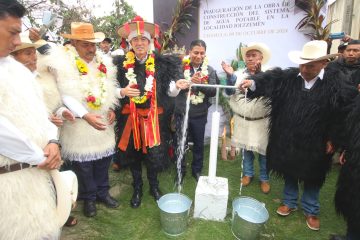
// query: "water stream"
[[181, 143]]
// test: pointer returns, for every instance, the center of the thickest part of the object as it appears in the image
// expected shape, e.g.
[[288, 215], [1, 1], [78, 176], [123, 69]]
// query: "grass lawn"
[[144, 222]]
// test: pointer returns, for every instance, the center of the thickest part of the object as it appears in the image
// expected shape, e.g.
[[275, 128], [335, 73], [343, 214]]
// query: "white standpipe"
[[215, 122]]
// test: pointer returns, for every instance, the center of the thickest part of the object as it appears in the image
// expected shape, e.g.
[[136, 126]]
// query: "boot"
[[135, 201]]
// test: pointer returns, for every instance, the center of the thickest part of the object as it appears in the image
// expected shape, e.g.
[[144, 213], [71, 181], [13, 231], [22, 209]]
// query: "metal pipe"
[[211, 85]]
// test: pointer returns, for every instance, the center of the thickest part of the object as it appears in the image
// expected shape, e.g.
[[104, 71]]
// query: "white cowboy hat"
[[312, 51], [27, 43], [66, 186], [137, 27], [261, 47], [84, 32]]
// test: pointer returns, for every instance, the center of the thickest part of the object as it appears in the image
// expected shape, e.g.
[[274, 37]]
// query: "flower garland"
[[196, 97], [129, 65], [96, 94]]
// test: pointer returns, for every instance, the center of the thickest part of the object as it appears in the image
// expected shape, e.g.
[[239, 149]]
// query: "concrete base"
[[211, 198]]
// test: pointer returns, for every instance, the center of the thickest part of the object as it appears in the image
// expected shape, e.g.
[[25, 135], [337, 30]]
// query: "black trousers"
[[93, 178], [196, 129], [136, 171]]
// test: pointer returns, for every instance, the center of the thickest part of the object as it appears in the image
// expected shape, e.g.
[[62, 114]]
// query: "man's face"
[[140, 44], [86, 50], [27, 56], [310, 70], [351, 54], [10, 28], [197, 55], [252, 58], [105, 46]]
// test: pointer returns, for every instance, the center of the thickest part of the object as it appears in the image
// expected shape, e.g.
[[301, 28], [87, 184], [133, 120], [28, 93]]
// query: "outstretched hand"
[[244, 85], [182, 84], [227, 68]]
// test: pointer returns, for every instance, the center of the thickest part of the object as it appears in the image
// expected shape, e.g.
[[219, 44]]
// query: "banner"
[[224, 24]]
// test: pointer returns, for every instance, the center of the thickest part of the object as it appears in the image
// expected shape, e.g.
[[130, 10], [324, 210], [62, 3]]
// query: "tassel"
[[157, 45], [123, 43]]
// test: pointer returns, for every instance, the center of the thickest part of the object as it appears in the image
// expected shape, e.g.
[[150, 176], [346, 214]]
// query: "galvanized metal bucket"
[[174, 213], [248, 218]]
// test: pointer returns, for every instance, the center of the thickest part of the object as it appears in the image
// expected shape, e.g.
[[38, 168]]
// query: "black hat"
[[352, 42], [107, 40], [342, 46]]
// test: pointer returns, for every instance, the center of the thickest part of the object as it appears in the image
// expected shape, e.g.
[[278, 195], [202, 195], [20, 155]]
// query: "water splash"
[[243, 154], [181, 144]]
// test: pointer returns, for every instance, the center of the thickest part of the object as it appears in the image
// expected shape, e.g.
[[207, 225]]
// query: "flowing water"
[[181, 143], [242, 157]]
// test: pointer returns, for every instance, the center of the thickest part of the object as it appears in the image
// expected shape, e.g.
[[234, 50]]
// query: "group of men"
[[121, 110]]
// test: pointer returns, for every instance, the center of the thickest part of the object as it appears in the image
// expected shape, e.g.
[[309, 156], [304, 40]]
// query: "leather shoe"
[[196, 176], [284, 210], [246, 180], [313, 222], [265, 187], [109, 202], [135, 201], [156, 193], [89, 208]]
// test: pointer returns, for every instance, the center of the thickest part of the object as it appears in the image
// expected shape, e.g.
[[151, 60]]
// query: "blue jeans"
[[248, 165], [309, 200]]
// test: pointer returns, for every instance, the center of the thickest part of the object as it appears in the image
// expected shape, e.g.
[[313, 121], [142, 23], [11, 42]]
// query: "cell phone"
[[48, 20], [338, 35]]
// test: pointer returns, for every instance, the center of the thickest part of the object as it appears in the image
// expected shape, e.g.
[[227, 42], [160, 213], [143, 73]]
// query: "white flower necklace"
[[198, 97], [95, 91]]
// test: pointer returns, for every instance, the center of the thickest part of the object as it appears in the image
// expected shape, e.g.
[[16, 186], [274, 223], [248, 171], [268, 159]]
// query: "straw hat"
[[27, 43], [84, 32], [261, 47], [66, 186], [311, 52]]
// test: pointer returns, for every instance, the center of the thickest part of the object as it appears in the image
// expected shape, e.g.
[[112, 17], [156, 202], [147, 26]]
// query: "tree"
[[122, 13]]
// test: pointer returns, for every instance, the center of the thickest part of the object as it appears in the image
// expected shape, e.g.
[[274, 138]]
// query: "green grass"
[[144, 222]]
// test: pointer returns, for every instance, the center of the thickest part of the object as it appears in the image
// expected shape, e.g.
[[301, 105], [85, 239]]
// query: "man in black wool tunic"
[[347, 197], [308, 109], [147, 81]]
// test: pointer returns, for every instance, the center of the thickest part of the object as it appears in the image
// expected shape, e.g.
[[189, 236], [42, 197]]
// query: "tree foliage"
[[109, 24], [79, 12]]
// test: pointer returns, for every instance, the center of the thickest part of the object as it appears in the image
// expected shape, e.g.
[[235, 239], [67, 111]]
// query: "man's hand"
[[53, 158], [56, 120], [245, 84], [95, 121], [329, 147], [342, 159], [111, 117], [182, 84], [68, 115], [196, 78], [130, 91], [34, 34], [227, 68]]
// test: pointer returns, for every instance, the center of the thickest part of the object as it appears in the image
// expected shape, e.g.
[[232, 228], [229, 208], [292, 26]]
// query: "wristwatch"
[[56, 142]]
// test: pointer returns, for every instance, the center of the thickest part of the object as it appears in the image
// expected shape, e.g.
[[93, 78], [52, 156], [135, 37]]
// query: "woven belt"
[[251, 119], [14, 167]]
